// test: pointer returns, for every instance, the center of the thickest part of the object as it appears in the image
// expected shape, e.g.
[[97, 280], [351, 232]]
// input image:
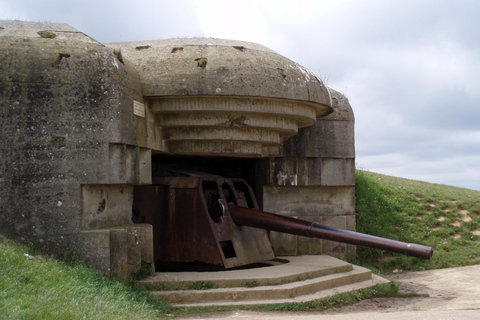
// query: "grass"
[[44, 288], [443, 217], [446, 218]]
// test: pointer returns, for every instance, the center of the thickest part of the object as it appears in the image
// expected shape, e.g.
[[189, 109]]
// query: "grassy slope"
[[443, 217], [44, 288]]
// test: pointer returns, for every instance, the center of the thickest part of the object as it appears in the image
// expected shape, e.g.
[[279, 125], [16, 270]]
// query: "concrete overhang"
[[225, 97]]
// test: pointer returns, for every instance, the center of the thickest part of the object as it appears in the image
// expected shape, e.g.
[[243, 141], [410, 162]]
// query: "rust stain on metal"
[[275, 222]]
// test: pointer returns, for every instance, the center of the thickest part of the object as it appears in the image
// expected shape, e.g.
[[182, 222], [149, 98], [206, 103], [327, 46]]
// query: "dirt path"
[[445, 289], [452, 293]]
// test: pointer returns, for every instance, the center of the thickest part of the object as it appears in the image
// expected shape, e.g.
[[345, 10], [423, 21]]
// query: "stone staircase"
[[289, 279]]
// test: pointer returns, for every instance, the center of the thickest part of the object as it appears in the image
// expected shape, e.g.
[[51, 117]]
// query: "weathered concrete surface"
[[314, 179], [332, 136], [331, 206], [217, 67], [229, 126], [106, 205], [120, 249], [225, 97], [277, 271], [66, 104], [312, 171], [307, 201], [292, 280]]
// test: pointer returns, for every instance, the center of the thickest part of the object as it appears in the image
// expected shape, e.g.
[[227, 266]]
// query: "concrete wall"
[[68, 132], [314, 180]]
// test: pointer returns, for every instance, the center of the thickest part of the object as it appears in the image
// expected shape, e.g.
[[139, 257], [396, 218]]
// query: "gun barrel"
[[270, 221]]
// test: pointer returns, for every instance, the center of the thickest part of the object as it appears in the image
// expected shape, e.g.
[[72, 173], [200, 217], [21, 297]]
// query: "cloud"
[[411, 73], [456, 170]]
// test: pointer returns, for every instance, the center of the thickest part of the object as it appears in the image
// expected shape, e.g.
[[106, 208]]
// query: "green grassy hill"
[[36, 286], [443, 217], [446, 218]]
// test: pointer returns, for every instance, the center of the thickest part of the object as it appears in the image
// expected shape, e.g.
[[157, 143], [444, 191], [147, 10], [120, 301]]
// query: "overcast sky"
[[410, 68]]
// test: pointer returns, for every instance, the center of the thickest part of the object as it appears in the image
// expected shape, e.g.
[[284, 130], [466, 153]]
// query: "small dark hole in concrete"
[[201, 62], [63, 55], [282, 72], [176, 49], [101, 206], [142, 47], [240, 48], [238, 121], [58, 142]]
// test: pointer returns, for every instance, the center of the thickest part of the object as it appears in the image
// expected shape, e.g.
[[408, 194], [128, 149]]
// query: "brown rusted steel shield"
[[191, 229]]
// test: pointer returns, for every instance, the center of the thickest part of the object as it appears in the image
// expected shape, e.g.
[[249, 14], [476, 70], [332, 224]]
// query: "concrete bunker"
[[85, 124]]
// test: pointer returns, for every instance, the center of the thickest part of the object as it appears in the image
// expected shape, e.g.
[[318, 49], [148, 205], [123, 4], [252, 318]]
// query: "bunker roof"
[[218, 67]]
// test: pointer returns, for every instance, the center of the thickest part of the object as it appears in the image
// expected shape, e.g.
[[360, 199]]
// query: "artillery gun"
[[214, 223]]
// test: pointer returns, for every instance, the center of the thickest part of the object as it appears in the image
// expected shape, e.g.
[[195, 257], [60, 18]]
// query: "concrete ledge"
[[298, 268], [304, 278]]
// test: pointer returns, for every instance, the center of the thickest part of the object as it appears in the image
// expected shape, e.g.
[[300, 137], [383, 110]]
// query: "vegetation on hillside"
[[443, 217], [35, 286]]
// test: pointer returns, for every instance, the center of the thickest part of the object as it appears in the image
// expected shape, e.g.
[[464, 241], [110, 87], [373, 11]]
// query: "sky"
[[410, 68]]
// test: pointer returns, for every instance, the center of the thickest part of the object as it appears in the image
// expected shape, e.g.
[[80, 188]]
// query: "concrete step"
[[303, 278], [257, 294], [280, 271], [322, 294]]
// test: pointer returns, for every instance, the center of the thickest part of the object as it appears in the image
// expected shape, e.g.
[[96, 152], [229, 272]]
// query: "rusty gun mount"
[[213, 223], [270, 221]]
